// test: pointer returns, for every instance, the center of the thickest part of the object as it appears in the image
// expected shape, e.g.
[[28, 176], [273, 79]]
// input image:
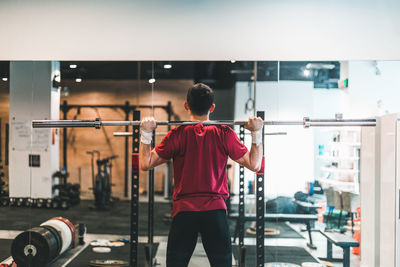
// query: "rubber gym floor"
[[115, 223]]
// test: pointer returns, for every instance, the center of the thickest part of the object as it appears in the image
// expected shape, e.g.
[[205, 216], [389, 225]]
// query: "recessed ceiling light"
[[152, 80], [5, 79], [167, 66], [78, 80], [233, 61], [73, 66]]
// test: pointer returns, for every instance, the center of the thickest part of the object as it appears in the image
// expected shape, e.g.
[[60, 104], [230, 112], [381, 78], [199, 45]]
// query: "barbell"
[[165, 133], [97, 123]]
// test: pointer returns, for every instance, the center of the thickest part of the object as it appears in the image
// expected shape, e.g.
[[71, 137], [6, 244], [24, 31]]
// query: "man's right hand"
[[254, 124], [148, 124]]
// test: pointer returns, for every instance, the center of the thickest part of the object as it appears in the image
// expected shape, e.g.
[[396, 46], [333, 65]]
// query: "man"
[[200, 153]]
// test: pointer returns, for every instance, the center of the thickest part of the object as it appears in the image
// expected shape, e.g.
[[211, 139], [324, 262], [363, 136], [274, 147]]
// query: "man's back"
[[200, 155]]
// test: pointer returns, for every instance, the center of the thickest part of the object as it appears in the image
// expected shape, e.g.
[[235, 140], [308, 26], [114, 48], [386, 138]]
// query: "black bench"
[[279, 217], [345, 242]]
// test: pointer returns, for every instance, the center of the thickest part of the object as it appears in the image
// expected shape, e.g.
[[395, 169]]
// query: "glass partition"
[[69, 189]]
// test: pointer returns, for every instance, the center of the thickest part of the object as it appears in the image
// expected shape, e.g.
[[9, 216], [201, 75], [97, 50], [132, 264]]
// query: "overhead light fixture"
[[152, 80], [78, 80], [327, 66], [167, 66], [306, 72], [73, 66], [233, 61], [5, 79]]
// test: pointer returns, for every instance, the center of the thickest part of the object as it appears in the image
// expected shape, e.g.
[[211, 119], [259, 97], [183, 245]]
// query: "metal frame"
[[260, 206], [127, 108], [134, 241], [150, 246], [241, 247]]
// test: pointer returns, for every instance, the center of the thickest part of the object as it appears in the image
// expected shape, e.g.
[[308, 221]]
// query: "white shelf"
[[337, 159], [338, 170], [344, 144], [345, 186]]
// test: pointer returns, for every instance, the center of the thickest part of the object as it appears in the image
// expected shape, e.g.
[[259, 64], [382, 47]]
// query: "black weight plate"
[[57, 237], [43, 246]]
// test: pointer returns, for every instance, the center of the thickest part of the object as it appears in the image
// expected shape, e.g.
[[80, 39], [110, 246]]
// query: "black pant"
[[215, 235]]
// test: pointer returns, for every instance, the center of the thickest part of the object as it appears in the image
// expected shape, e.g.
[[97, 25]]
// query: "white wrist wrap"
[[146, 137], [256, 137]]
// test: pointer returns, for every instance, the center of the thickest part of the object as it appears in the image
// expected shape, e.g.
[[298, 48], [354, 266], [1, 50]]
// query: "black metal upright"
[[127, 113], [64, 108], [134, 242], [241, 247], [150, 216], [1, 156], [6, 145], [169, 168], [260, 206]]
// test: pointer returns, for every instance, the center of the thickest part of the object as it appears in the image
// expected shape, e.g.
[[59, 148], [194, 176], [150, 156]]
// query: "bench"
[[279, 217], [345, 242]]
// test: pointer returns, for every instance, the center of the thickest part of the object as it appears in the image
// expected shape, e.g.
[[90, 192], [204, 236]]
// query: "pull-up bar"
[[306, 123]]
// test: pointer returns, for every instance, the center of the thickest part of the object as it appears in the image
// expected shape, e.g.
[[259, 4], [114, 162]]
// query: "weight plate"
[[117, 244], [101, 249], [70, 225], [109, 263], [35, 247], [63, 229], [311, 264], [280, 264], [57, 237]]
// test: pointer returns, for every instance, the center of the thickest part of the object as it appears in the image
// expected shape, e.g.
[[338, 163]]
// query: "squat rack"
[[150, 247], [127, 108]]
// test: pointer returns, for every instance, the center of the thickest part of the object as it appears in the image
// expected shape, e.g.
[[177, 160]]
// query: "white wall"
[[370, 94], [199, 30]]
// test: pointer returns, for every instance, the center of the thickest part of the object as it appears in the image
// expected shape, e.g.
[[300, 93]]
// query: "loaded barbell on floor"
[[306, 123]]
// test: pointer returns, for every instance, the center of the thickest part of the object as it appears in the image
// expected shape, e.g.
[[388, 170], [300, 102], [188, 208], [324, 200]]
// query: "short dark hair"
[[200, 98]]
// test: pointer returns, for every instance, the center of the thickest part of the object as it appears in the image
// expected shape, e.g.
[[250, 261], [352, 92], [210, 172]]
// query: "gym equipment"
[[281, 264], [260, 206], [165, 133], [135, 169], [3, 189], [101, 249], [109, 263], [306, 123], [343, 241], [127, 109], [102, 181], [41, 245], [67, 194]]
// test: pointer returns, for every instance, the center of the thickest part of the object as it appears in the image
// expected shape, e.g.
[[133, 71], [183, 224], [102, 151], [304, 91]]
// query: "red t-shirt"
[[200, 154]]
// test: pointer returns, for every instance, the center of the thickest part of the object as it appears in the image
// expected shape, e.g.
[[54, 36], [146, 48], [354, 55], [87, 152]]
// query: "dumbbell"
[[4, 201], [39, 203], [27, 202], [19, 202], [48, 203]]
